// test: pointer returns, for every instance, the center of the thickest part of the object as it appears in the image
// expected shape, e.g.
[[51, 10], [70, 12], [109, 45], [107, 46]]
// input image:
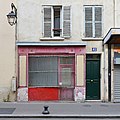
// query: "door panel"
[[66, 93], [93, 80], [66, 76]]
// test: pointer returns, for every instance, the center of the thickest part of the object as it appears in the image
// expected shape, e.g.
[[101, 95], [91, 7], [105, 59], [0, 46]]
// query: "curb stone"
[[57, 116]]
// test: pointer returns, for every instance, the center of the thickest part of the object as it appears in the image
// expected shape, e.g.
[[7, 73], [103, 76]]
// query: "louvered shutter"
[[88, 22], [66, 31], [98, 21], [47, 22]]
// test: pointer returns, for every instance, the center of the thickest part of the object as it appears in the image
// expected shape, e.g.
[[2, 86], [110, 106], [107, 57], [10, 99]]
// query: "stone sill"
[[52, 39], [92, 39]]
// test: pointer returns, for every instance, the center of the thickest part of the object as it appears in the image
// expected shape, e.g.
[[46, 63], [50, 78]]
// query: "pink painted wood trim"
[[54, 50]]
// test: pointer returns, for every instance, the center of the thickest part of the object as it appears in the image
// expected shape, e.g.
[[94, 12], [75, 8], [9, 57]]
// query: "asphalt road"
[[56, 119]]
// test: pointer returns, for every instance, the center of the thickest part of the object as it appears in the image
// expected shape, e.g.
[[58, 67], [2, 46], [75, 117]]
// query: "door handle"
[[91, 80]]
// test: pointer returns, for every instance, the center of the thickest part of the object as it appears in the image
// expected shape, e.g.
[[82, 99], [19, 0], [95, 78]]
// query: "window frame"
[[63, 27], [53, 22], [93, 21]]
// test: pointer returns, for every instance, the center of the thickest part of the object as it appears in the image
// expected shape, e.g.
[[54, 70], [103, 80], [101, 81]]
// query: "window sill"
[[92, 39], [52, 39]]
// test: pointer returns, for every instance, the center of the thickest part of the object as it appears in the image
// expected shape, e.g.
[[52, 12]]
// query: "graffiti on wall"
[[80, 94], [22, 94]]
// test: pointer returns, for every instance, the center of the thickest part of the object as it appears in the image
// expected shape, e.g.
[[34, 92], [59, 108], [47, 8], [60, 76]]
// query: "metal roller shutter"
[[117, 83]]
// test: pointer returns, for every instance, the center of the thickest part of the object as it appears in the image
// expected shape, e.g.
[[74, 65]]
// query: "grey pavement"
[[59, 110]]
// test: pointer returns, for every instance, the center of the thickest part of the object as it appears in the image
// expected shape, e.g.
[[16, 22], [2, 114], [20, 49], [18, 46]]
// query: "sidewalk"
[[60, 110]]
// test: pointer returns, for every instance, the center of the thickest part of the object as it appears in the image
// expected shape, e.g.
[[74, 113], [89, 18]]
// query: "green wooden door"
[[93, 79]]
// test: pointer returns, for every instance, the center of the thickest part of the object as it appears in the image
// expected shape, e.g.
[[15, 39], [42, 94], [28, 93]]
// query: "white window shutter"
[[47, 21], [98, 21], [88, 22], [66, 25]]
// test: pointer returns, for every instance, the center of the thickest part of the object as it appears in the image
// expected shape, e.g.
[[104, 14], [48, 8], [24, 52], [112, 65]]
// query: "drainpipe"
[[109, 72], [114, 14]]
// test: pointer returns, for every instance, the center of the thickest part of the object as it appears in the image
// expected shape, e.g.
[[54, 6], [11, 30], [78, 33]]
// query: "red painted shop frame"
[[49, 93]]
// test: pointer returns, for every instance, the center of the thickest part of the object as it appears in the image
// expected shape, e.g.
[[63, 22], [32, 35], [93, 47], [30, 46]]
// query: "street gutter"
[[58, 116]]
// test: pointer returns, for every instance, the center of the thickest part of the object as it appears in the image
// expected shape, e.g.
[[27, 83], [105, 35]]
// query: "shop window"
[[51, 70]]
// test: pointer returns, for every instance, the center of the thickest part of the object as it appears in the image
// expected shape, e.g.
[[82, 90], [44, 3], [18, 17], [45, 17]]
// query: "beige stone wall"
[[7, 52], [106, 72], [117, 13], [31, 12]]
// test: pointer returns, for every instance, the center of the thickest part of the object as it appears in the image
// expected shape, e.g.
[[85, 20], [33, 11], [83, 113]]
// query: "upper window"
[[93, 21], [57, 21]]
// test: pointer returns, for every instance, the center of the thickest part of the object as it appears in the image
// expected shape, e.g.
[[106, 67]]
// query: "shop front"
[[50, 71], [112, 41]]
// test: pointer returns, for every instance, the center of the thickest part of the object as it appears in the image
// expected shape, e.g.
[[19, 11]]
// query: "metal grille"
[[117, 83], [43, 71]]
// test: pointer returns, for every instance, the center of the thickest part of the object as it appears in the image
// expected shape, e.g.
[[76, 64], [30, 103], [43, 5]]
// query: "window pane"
[[66, 76], [66, 60], [43, 71], [56, 17], [92, 57], [57, 21]]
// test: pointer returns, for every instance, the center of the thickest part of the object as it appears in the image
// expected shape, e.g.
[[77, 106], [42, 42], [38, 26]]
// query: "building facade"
[[7, 54], [65, 52], [60, 52]]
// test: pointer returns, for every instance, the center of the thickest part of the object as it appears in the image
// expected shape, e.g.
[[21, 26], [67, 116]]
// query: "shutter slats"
[[98, 21], [88, 14], [98, 29], [88, 30], [117, 83], [47, 22], [88, 22], [98, 14], [93, 21], [66, 21]]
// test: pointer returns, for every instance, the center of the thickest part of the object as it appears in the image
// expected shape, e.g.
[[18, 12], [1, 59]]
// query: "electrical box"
[[13, 84]]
